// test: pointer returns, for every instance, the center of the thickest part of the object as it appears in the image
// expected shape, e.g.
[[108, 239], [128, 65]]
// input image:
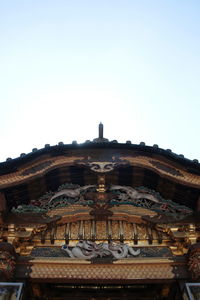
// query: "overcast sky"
[[67, 65]]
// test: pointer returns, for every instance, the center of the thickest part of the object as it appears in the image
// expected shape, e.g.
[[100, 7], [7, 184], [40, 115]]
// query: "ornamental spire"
[[100, 130], [100, 139]]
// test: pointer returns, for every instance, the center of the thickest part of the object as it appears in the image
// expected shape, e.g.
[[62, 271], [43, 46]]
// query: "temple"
[[100, 220]]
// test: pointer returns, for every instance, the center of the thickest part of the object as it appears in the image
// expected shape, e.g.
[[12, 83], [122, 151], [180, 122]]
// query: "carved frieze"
[[87, 250], [113, 195], [148, 252]]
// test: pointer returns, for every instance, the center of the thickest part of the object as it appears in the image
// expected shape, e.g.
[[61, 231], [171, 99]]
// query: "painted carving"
[[129, 192], [7, 261], [98, 195], [146, 198], [88, 250], [194, 261], [58, 252], [102, 166], [71, 193], [28, 209], [67, 194]]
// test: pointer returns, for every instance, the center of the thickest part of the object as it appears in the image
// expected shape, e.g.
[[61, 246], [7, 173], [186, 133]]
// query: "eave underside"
[[134, 176]]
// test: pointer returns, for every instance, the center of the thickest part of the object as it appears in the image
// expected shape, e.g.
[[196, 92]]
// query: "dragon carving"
[[88, 250]]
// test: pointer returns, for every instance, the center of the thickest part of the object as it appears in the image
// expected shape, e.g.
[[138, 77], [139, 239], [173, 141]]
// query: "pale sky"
[[67, 65]]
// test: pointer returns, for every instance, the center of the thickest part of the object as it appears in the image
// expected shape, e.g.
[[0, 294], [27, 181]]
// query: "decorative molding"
[[165, 168], [145, 162], [37, 168], [133, 159], [83, 271]]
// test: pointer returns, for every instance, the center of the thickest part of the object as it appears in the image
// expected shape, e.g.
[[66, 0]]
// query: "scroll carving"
[[102, 166]]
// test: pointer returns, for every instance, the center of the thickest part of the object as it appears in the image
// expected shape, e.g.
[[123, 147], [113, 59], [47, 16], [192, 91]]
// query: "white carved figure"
[[133, 193], [71, 193], [88, 249], [102, 167]]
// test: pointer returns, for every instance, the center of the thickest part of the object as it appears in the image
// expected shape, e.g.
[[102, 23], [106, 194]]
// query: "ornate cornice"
[[102, 165]]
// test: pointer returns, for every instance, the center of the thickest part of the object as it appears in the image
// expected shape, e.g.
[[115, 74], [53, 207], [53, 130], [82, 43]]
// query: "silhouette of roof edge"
[[60, 148]]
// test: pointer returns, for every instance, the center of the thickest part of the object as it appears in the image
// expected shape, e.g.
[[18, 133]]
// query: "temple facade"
[[100, 220]]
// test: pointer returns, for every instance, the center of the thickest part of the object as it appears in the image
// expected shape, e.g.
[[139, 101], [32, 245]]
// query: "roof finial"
[[100, 131], [100, 138]]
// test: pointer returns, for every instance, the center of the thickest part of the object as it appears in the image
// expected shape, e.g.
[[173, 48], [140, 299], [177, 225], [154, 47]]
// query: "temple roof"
[[61, 148], [31, 175], [100, 142]]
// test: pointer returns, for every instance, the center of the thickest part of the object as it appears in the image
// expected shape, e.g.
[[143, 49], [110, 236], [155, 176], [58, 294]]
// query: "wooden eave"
[[32, 175]]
